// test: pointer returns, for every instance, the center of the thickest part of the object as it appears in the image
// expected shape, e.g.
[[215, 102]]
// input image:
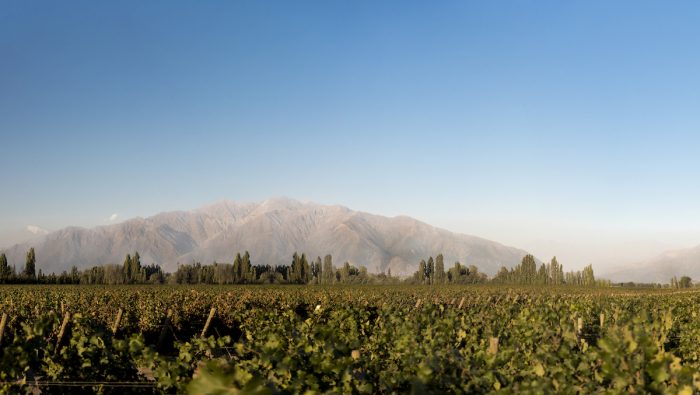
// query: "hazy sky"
[[537, 124]]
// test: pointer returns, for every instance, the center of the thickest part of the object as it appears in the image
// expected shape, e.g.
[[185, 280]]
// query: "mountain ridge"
[[272, 230], [674, 262]]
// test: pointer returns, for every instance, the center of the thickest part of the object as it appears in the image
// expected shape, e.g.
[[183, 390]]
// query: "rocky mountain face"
[[271, 231]]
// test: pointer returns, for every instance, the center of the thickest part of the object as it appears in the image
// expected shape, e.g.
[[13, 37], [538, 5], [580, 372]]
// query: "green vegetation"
[[349, 339], [684, 282], [30, 266], [318, 271], [300, 271]]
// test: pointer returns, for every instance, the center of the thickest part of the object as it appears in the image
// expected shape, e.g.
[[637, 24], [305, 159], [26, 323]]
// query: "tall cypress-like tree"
[[126, 268], [528, 269], [345, 273], [587, 276], [237, 266], [328, 271], [420, 274], [5, 269], [30, 265], [555, 272], [430, 270], [439, 269], [295, 269], [246, 272], [136, 273], [317, 270], [542, 275], [305, 269]]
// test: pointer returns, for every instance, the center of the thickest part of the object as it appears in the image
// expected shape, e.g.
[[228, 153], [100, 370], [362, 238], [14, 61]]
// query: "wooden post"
[[166, 325], [418, 303], [115, 326], [493, 346], [62, 331], [579, 326], [461, 303], [206, 325], [3, 322], [602, 319]]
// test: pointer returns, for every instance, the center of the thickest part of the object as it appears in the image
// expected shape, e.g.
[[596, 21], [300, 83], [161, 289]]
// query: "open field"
[[367, 339]]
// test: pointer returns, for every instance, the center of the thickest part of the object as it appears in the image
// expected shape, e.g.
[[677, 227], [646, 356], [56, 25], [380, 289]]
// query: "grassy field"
[[362, 339]]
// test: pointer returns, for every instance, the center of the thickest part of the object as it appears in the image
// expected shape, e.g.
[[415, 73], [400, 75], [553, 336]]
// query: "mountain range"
[[683, 262], [271, 231]]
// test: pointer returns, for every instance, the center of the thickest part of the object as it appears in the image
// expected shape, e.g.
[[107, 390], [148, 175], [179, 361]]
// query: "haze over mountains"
[[682, 262], [271, 231]]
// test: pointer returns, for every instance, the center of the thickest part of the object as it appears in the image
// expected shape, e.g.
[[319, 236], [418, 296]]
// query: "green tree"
[[328, 271], [587, 276], [555, 272], [126, 268], [246, 269], [503, 275], [5, 269], [685, 282], [430, 270], [674, 282], [528, 270], [299, 272], [317, 270], [345, 273], [137, 275], [439, 269], [305, 270], [131, 269], [30, 265], [457, 274], [542, 276], [420, 274], [237, 268]]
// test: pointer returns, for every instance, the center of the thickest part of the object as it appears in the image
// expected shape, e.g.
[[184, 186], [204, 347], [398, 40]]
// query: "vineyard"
[[371, 339]]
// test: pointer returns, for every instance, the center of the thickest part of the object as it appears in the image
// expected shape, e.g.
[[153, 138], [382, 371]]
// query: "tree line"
[[302, 270], [551, 273], [525, 273]]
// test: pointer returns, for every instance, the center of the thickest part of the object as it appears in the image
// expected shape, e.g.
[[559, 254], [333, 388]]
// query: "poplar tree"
[[237, 264], [5, 269], [528, 269], [588, 277], [420, 274], [328, 271], [317, 270], [439, 269], [685, 282], [430, 270], [345, 273], [305, 270], [246, 272], [30, 265], [555, 272]]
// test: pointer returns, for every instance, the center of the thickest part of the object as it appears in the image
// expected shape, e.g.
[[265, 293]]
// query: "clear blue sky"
[[513, 120]]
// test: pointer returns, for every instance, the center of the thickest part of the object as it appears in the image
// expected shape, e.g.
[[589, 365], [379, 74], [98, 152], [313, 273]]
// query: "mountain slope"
[[272, 231], [684, 262]]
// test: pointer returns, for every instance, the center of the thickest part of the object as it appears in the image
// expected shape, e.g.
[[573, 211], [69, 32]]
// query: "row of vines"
[[384, 339]]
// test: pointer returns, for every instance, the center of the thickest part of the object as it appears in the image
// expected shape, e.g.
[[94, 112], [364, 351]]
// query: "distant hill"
[[272, 231], [684, 262]]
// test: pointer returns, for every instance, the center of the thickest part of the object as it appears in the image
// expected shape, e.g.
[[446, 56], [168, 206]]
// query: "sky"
[[565, 128]]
